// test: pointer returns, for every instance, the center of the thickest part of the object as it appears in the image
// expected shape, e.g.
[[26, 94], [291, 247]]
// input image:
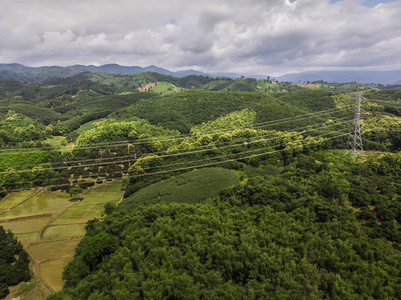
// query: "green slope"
[[191, 187], [311, 100], [183, 110]]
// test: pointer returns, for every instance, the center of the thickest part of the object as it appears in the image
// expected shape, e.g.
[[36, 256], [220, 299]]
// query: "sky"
[[272, 37]]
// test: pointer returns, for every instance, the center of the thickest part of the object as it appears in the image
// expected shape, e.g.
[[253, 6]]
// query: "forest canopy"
[[14, 262], [233, 188]]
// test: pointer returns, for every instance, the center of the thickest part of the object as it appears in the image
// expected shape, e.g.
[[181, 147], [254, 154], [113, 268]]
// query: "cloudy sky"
[[244, 36]]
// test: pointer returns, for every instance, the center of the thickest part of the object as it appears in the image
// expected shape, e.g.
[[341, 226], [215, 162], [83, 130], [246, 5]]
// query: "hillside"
[[186, 188], [265, 237], [182, 111], [231, 187]]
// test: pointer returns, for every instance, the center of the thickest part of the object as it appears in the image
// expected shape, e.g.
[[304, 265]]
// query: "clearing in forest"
[[147, 87]]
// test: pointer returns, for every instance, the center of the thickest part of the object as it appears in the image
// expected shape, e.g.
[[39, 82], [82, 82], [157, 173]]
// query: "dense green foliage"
[[289, 236], [65, 104], [114, 130], [310, 100], [184, 110], [14, 262]]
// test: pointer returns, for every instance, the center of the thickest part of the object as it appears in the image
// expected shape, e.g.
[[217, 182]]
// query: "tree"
[[14, 262], [74, 191]]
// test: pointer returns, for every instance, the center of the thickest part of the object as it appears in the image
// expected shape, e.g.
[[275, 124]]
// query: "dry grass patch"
[[27, 225], [54, 249], [72, 214], [41, 204], [66, 221], [94, 213], [147, 87], [15, 198], [28, 237], [104, 200], [51, 272], [98, 206], [63, 232], [83, 205]]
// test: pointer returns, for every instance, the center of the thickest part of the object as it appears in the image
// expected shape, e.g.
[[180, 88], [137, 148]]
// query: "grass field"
[[164, 88], [72, 214], [188, 187], [92, 204], [15, 198], [55, 249], [104, 199], [93, 213], [28, 237], [43, 203], [27, 225], [37, 294], [51, 239], [86, 126], [83, 205], [59, 232], [51, 272], [66, 221], [98, 206], [57, 141]]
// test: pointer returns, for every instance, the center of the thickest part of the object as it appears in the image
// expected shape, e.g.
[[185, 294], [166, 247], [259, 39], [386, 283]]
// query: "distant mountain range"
[[37, 74], [366, 77]]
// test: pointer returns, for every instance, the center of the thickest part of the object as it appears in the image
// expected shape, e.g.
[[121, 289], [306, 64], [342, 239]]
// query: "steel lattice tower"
[[355, 140]]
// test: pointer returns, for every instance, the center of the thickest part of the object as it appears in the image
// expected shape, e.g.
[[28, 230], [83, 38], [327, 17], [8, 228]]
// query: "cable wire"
[[161, 152], [203, 165], [181, 153], [182, 136]]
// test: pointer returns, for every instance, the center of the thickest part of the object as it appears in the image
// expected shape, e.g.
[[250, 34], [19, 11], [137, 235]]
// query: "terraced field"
[[50, 225]]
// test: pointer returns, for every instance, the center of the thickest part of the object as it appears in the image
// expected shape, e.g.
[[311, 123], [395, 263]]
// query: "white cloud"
[[255, 36]]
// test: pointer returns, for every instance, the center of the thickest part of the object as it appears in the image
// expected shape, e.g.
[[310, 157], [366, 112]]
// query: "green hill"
[[311, 100], [183, 110], [191, 187]]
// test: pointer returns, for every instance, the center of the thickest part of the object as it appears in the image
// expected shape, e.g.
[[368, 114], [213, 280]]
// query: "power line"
[[160, 152], [203, 165], [150, 140], [182, 153], [355, 139], [180, 163]]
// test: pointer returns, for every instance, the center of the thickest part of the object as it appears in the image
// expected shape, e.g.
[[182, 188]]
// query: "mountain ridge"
[[343, 76], [34, 74]]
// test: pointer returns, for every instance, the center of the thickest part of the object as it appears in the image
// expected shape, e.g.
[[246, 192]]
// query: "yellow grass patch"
[[26, 225], [28, 237], [51, 272], [63, 232], [43, 203], [54, 249], [15, 198]]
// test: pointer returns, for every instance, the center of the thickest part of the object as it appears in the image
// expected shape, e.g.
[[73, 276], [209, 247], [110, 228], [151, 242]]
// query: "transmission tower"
[[355, 140]]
